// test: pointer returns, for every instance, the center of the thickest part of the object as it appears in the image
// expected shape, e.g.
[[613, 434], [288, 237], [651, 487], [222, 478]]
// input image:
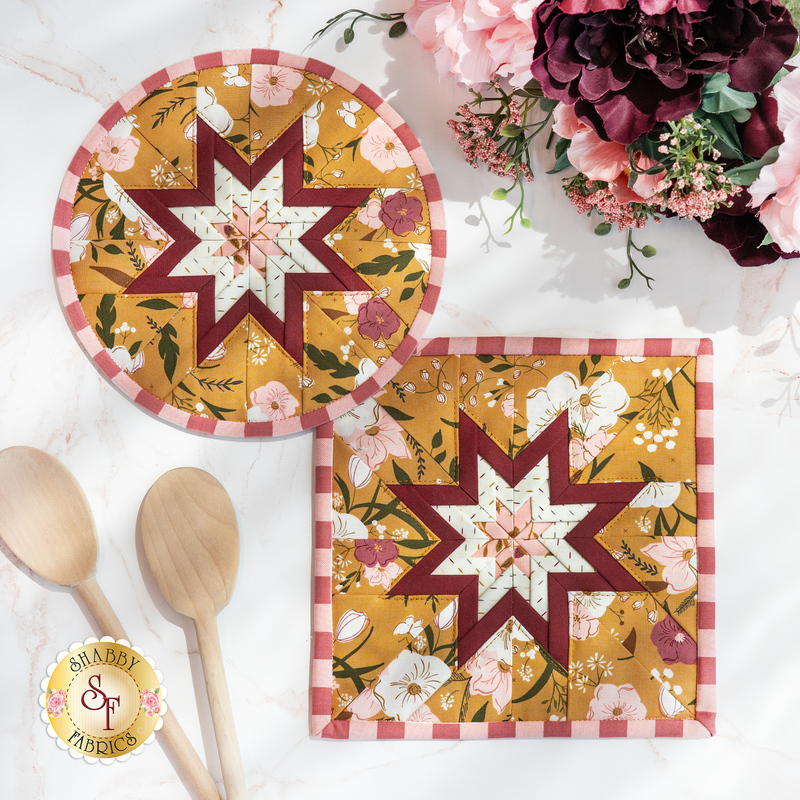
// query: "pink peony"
[[777, 188], [273, 401], [117, 154], [616, 703], [474, 41], [370, 214], [273, 85], [678, 556], [491, 676], [382, 147]]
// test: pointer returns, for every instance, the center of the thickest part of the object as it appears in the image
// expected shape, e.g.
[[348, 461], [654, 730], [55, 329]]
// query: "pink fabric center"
[[514, 539], [249, 240]]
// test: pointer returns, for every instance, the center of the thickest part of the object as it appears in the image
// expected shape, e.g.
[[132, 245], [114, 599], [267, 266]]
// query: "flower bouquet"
[[660, 108]]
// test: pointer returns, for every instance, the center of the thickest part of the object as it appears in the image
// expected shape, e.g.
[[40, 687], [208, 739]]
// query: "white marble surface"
[[61, 64]]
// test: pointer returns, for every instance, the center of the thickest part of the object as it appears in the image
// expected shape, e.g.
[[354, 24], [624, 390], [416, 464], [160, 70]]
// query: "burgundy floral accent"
[[376, 319], [628, 69], [373, 552], [761, 131], [739, 230], [401, 213], [673, 643]]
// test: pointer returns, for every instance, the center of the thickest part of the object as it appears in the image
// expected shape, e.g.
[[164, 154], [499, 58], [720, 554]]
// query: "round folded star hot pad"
[[249, 243]]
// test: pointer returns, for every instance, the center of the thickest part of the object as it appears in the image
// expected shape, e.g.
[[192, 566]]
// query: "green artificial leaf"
[[747, 173], [562, 157], [398, 29], [719, 98]]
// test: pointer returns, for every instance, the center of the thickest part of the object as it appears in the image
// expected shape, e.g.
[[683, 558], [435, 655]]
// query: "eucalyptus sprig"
[[397, 29]]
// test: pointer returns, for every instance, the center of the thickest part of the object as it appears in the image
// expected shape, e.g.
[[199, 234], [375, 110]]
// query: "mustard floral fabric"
[[632, 654]]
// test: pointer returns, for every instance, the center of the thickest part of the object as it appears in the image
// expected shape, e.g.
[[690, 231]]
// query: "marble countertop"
[[61, 66]]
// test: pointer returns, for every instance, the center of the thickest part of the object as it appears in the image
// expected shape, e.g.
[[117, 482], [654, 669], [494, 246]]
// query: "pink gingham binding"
[[322, 663], [92, 345]]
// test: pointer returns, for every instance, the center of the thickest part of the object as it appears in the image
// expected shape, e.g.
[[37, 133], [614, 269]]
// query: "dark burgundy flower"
[[673, 643], [376, 319], [401, 213], [761, 131], [739, 230], [628, 69], [371, 552]]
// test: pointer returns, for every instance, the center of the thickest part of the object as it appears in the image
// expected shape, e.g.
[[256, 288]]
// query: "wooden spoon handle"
[[171, 733], [221, 711]]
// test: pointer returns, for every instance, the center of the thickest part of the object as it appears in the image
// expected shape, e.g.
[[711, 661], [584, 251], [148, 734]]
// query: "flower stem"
[[626, 282], [397, 29]]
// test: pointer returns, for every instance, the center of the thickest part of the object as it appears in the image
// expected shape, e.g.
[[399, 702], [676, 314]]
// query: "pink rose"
[[354, 300], [583, 451], [507, 406], [150, 702], [777, 188], [273, 85], [583, 625], [271, 402], [616, 703], [370, 214], [55, 702], [117, 154]]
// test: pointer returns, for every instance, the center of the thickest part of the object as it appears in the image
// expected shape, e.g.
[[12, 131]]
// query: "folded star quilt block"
[[241, 231], [514, 538]]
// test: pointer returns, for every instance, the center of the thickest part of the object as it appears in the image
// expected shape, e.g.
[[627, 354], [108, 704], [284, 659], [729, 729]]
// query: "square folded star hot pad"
[[249, 243], [515, 538]]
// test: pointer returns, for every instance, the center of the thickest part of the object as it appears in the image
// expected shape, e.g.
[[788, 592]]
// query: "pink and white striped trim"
[[322, 660], [94, 348]]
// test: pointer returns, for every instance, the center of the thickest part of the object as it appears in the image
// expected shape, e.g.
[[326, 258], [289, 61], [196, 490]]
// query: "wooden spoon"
[[191, 542], [46, 521]]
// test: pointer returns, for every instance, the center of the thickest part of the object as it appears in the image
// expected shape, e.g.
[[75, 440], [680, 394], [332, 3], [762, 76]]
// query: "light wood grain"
[[191, 541], [45, 519]]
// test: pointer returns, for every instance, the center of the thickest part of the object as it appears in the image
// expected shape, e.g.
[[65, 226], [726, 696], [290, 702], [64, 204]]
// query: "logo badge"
[[103, 699]]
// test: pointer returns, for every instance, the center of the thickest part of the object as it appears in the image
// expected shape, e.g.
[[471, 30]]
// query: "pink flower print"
[[583, 451], [370, 214], [507, 405], [514, 538], [423, 714], [381, 146], [365, 706], [150, 702], [273, 401], [582, 624], [616, 703], [372, 552], [273, 85], [678, 556], [118, 153], [401, 213], [188, 299], [354, 300], [55, 702], [376, 320], [491, 676], [673, 643], [377, 442], [380, 575]]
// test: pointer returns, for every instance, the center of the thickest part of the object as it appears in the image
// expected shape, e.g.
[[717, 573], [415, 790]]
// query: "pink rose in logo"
[[55, 702], [117, 153], [150, 702], [376, 319]]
